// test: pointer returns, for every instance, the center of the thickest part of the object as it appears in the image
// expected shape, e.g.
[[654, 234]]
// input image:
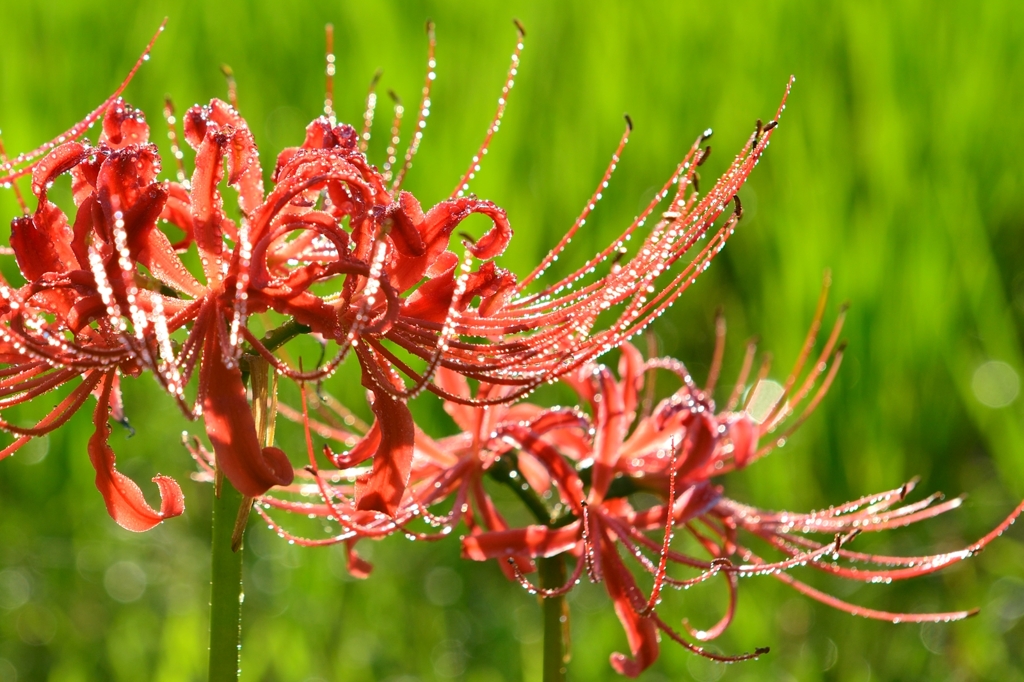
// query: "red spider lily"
[[401, 289], [86, 275], [674, 451], [334, 222], [66, 322], [333, 217]]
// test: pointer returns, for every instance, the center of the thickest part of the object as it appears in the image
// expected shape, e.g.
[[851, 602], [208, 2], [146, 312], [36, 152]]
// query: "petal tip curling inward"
[[124, 499]]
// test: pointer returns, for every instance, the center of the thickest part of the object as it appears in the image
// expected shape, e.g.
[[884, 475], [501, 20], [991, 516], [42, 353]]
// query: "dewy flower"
[[106, 291], [674, 452], [398, 295], [577, 474]]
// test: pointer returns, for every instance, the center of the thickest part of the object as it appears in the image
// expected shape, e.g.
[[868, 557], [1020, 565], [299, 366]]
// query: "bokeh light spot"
[[125, 581], [15, 589], [443, 586], [766, 394], [995, 384]]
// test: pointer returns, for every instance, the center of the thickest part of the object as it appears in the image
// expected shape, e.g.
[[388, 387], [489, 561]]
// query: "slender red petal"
[[125, 502], [534, 541], [382, 489], [641, 632], [232, 431]]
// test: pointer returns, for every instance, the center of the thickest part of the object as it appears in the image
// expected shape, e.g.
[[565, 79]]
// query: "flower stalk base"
[[556, 620], [226, 592]]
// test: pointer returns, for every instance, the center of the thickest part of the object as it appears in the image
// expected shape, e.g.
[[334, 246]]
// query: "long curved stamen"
[[805, 351], [77, 130], [513, 69], [13, 184], [396, 129], [329, 70], [719, 353], [582, 219], [368, 112], [229, 77], [659, 576], [424, 111], [741, 379], [172, 135]]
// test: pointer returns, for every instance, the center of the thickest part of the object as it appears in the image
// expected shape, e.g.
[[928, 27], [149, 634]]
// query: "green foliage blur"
[[897, 165]]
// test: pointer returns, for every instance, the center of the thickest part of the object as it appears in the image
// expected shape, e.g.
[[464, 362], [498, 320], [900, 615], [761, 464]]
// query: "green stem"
[[506, 470], [226, 593], [276, 338], [556, 620]]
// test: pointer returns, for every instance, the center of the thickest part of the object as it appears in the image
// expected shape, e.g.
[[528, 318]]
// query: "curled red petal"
[[358, 567], [445, 216], [743, 434], [232, 431], [123, 125], [60, 160], [641, 632], [381, 490], [125, 501], [42, 243], [698, 447], [358, 453], [405, 218]]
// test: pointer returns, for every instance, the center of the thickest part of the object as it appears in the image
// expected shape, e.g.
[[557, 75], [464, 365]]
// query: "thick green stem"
[[556, 620], [226, 593], [230, 515]]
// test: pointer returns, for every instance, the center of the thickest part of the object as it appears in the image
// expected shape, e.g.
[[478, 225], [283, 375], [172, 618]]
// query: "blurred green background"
[[897, 165]]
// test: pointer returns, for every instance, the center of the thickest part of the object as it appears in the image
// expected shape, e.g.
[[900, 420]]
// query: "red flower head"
[[674, 452], [399, 293], [81, 313]]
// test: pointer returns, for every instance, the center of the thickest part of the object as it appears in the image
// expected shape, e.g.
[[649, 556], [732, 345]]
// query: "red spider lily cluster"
[[155, 275]]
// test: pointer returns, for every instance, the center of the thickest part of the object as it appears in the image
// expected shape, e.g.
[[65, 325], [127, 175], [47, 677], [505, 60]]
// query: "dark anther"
[[841, 347], [467, 237], [376, 78], [739, 206], [771, 124], [704, 156], [619, 255], [226, 70], [844, 307], [511, 561], [519, 27], [629, 121], [762, 650], [906, 488], [309, 469], [707, 135], [758, 129], [696, 183], [430, 26], [123, 421], [394, 97]]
